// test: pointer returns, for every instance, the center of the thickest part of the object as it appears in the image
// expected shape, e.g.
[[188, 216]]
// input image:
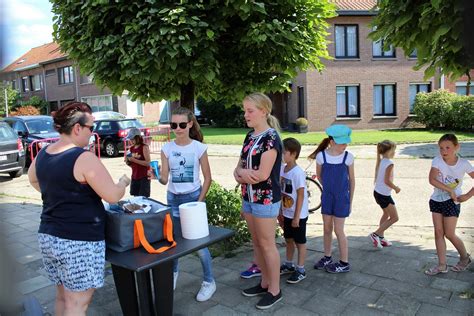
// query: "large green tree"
[[183, 49], [435, 28]]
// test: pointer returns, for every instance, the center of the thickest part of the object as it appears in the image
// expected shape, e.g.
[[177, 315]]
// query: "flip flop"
[[436, 270], [459, 267]]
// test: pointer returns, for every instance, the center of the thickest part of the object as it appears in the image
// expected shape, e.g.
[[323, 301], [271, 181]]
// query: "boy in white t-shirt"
[[294, 210]]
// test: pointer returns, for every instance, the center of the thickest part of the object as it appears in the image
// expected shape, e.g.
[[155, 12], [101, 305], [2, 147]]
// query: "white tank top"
[[380, 186]]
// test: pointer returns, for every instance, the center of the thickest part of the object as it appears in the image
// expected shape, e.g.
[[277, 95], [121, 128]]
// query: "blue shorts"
[[77, 265], [261, 210], [336, 205]]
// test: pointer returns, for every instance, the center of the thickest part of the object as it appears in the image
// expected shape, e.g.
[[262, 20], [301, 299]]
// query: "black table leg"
[[134, 300], [163, 288]]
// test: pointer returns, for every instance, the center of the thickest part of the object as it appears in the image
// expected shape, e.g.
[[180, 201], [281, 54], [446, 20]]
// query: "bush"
[[38, 103], [25, 110], [301, 121], [443, 109], [223, 209], [220, 114]]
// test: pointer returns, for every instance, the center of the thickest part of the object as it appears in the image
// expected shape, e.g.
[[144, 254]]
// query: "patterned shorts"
[[75, 264], [446, 208]]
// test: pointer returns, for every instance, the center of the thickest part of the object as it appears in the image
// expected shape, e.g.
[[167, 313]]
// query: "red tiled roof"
[[355, 5], [36, 55]]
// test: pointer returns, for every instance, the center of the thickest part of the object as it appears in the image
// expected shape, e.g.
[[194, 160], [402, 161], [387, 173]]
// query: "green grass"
[[235, 136]]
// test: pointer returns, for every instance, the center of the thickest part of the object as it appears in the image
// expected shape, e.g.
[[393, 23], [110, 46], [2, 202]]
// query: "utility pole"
[[6, 103]]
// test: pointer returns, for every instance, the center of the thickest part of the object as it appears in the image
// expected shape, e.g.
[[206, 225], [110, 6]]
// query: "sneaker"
[[322, 263], [284, 269], [252, 271], [206, 291], [375, 241], [385, 242], [175, 279], [268, 300], [254, 291], [296, 277], [337, 267]]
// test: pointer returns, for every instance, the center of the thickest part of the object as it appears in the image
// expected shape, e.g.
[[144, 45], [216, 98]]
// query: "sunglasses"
[[181, 125], [90, 127]]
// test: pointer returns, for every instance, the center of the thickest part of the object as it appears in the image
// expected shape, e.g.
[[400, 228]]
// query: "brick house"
[[46, 72], [362, 86], [459, 86]]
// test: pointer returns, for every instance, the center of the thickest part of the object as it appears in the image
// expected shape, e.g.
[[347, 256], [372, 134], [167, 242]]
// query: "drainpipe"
[[441, 84], [76, 85], [45, 89]]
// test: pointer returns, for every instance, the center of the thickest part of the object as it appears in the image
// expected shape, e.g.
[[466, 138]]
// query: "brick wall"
[[365, 71]]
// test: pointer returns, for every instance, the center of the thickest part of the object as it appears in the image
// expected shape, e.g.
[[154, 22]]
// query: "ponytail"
[[322, 146], [273, 122]]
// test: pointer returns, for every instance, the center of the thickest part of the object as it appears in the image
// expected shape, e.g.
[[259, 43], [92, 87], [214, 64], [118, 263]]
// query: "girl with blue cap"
[[335, 171]]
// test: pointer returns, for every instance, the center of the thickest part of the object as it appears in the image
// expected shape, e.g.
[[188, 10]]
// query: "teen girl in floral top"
[[259, 173]]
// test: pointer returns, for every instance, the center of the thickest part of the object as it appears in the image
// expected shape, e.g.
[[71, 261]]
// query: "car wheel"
[[16, 174], [110, 149]]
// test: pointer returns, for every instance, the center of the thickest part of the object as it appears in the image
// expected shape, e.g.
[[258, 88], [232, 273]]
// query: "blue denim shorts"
[[175, 200], [261, 210], [75, 264]]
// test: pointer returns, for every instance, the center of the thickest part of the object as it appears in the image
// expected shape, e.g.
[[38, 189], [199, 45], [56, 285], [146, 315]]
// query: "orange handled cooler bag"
[[125, 231]]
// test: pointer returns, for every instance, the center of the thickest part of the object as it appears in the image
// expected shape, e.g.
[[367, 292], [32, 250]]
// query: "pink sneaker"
[[251, 272], [376, 241], [385, 242]]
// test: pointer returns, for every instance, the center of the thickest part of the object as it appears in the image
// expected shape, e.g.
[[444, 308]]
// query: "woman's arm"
[[164, 170], [352, 182], [388, 178], [32, 176], [206, 172], [88, 168], [146, 156], [437, 184], [469, 194], [267, 161]]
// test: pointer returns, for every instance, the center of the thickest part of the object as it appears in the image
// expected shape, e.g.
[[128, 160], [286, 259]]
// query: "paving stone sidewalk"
[[382, 282]]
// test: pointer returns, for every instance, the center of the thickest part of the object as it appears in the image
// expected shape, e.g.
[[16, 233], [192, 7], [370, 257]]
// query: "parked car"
[[105, 115], [113, 132], [202, 120], [12, 153], [32, 128]]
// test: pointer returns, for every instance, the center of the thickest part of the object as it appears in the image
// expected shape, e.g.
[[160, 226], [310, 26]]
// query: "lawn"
[[235, 136]]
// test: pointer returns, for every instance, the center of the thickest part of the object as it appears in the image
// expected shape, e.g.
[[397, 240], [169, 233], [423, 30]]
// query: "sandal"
[[436, 270], [460, 266]]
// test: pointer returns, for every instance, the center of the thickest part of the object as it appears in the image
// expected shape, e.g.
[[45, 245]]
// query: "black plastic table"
[[144, 282]]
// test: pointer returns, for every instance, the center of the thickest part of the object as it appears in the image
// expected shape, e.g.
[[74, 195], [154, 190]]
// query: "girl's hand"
[[397, 189], [150, 174], [453, 196], [295, 223], [463, 197]]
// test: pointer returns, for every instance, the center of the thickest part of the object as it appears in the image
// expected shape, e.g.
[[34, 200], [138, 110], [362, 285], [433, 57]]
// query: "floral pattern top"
[[268, 191]]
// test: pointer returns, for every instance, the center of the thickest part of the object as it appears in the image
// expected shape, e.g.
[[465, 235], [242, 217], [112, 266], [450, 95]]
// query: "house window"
[[413, 54], [65, 75], [384, 100], [86, 79], [414, 89], [347, 101], [347, 42], [14, 84], [50, 72], [461, 88], [378, 52], [99, 103], [24, 84], [36, 82]]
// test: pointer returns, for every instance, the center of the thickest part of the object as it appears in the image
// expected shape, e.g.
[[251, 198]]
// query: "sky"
[[24, 24]]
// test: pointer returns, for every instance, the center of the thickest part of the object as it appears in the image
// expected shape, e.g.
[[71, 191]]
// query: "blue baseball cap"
[[341, 134]]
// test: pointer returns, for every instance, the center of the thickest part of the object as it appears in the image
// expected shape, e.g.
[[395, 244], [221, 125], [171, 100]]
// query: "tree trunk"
[[468, 83], [187, 96]]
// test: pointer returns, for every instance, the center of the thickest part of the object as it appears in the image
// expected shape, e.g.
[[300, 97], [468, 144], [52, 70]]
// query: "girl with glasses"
[[181, 160]]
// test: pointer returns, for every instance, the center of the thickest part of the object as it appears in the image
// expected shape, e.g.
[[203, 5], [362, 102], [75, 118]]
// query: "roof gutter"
[[357, 12], [53, 60], [26, 67]]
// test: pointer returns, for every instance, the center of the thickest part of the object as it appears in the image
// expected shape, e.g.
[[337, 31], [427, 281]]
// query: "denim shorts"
[[77, 265], [261, 210], [175, 200]]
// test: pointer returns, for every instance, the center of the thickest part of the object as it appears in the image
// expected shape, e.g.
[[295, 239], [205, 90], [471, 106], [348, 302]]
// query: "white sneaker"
[[206, 291], [375, 241], [175, 279]]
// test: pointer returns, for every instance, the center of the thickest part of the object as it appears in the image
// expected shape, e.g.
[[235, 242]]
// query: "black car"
[[32, 128], [12, 154], [113, 132]]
